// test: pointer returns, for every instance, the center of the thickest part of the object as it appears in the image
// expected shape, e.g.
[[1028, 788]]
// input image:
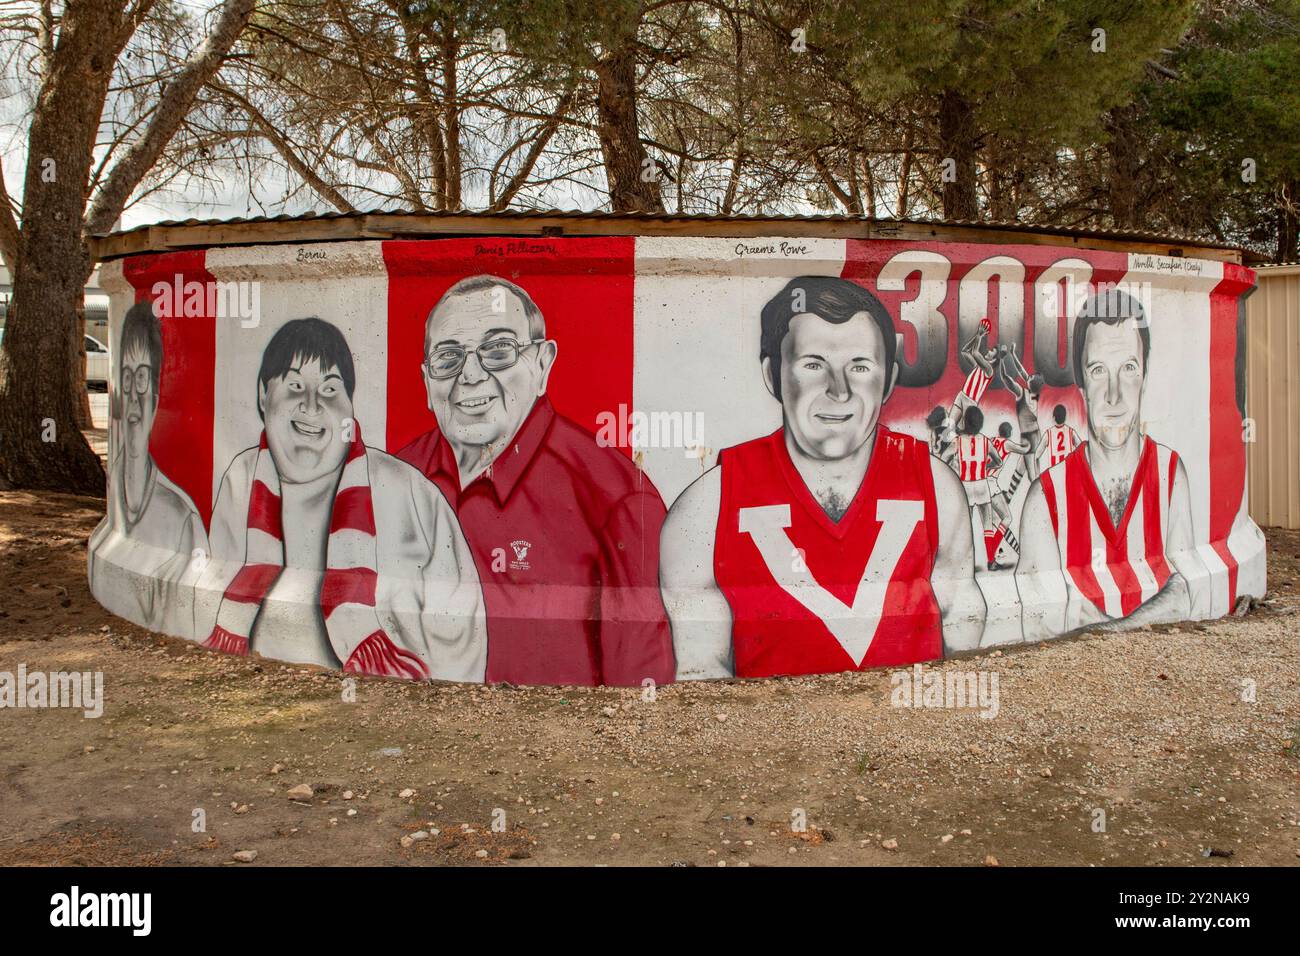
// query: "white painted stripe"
[[264, 548], [1135, 545], [1109, 591]]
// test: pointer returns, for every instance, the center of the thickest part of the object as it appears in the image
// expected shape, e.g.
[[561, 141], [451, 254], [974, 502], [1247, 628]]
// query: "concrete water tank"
[[584, 449]]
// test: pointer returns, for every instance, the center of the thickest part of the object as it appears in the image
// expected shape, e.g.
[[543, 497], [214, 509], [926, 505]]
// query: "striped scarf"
[[347, 594]]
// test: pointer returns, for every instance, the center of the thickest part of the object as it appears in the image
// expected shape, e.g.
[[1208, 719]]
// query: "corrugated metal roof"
[[1136, 235]]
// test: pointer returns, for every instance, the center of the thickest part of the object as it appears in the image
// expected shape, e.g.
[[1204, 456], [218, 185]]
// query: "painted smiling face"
[[480, 406], [305, 412], [833, 383], [139, 401], [1113, 377]]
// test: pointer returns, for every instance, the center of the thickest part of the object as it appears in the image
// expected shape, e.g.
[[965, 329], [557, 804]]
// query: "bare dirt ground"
[[1149, 727]]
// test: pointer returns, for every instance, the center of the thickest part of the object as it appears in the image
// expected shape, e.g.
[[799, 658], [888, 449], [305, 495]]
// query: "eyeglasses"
[[493, 356], [141, 377]]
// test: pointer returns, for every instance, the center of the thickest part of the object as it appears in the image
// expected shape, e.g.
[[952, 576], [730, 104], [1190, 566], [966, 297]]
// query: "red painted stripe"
[[252, 583], [347, 586], [353, 510], [264, 510], [181, 439], [1227, 464], [1152, 508], [1078, 546], [1121, 570]]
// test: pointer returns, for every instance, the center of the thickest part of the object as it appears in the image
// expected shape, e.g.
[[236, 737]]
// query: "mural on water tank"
[[620, 461]]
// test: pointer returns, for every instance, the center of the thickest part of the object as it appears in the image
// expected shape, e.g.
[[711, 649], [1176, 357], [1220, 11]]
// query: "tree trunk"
[[904, 176], [1288, 221], [1122, 179], [451, 112], [41, 445], [957, 141], [630, 188]]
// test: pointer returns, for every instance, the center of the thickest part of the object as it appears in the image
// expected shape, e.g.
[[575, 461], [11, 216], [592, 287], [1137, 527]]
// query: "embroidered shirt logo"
[[521, 549]]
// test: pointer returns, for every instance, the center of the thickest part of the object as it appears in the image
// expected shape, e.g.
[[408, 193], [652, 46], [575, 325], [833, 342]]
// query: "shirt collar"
[[513, 460]]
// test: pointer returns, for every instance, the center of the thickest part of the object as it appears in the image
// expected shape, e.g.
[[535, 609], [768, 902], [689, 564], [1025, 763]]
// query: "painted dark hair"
[[936, 417], [1005, 429], [828, 297], [1035, 384], [1111, 307], [1058, 414], [304, 340], [142, 330], [973, 421]]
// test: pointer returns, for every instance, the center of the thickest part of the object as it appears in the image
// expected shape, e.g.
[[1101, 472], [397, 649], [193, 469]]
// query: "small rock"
[[242, 808], [419, 835], [406, 842], [301, 792], [244, 856], [609, 711], [406, 794], [347, 794], [277, 767], [890, 844], [481, 854], [722, 718], [946, 838], [1045, 772], [990, 860]]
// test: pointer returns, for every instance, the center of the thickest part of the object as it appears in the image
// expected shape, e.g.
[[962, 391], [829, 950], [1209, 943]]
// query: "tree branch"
[[173, 105]]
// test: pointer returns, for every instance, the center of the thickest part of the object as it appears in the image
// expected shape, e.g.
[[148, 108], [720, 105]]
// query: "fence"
[[1273, 396]]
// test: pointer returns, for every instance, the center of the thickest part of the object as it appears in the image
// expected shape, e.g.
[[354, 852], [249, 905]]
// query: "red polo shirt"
[[565, 533]]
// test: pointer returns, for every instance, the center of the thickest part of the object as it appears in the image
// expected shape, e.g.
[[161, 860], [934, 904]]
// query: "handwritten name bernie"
[[771, 249]]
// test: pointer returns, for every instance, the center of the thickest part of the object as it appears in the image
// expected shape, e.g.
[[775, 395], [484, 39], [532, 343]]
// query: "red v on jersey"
[[809, 595], [1116, 568]]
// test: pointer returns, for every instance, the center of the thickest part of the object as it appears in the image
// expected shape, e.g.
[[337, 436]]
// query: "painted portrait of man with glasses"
[[564, 530], [144, 555]]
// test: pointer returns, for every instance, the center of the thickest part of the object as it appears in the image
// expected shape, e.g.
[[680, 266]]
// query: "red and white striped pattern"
[[1061, 440], [977, 383], [1117, 569], [347, 595], [973, 457]]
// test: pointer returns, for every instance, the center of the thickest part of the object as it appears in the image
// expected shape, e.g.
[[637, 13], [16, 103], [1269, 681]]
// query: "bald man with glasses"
[[565, 532]]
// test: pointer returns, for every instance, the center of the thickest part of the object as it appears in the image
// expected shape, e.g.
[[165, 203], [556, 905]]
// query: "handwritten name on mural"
[[312, 255], [772, 249], [1174, 266], [500, 249]]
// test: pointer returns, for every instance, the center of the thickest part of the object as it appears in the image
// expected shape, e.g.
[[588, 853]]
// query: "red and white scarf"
[[347, 594]]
